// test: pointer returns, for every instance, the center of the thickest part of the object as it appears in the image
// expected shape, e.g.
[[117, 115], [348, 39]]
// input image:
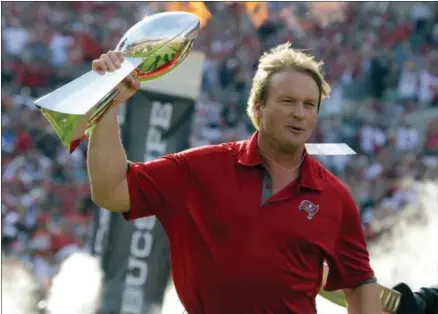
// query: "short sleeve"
[[350, 264], [155, 186]]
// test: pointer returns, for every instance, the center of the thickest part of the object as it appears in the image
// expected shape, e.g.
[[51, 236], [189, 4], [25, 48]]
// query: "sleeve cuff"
[[351, 282], [368, 281], [138, 204]]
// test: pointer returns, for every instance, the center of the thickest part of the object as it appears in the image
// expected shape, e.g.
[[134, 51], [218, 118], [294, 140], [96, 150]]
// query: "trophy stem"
[[101, 109], [73, 129]]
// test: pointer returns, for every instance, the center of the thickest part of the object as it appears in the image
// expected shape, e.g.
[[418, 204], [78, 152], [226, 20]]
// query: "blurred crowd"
[[379, 58]]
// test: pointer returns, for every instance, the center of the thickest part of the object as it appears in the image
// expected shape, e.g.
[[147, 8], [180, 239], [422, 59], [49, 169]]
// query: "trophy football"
[[153, 47]]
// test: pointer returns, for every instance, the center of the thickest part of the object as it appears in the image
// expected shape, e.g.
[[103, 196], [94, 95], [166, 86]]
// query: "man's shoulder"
[[342, 191], [331, 182], [217, 151]]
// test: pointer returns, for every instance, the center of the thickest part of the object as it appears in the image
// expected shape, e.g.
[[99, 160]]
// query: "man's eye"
[[310, 105], [288, 101]]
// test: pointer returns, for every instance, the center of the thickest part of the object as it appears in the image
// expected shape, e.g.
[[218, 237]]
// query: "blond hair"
[[277, 59]]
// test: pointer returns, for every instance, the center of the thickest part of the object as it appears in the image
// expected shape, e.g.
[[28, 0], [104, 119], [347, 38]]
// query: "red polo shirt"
[[232, 253]]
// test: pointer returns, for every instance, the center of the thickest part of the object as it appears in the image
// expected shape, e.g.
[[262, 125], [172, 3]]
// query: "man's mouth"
[[295, 129]]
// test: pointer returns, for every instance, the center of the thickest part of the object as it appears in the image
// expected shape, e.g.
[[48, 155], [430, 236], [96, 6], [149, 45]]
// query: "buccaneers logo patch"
[[309, 207]]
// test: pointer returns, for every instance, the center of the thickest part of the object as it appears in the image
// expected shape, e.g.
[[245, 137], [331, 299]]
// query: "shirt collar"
[[310, 177]]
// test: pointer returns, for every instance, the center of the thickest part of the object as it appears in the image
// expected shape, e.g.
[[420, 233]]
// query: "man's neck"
[[275, 157]]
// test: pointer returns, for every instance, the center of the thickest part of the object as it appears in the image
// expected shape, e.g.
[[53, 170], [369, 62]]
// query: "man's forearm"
[[364, 299], [106, 157], [389, 298]]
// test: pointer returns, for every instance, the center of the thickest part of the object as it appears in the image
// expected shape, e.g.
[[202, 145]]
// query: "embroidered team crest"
[[309, 207]]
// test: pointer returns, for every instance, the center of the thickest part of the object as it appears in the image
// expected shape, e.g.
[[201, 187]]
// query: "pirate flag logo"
[[309, 207]]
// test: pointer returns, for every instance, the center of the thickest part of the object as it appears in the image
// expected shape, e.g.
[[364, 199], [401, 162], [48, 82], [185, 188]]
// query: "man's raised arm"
[[107, 163]]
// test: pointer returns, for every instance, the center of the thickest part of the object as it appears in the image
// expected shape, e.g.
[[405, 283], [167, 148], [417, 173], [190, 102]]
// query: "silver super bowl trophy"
[[152, 48]]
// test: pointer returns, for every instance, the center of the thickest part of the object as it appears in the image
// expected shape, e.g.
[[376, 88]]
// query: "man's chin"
[[291, 145]]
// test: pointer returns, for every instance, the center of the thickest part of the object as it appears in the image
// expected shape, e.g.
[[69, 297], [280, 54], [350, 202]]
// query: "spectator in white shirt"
[[428, 82], [408, 82], [371, 138], [406, 138], [15, 37]]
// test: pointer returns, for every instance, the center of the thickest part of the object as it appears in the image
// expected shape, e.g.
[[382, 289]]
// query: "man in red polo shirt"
[[249, 223]]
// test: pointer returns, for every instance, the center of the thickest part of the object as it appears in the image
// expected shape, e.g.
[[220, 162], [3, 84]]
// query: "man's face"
[[289, 115]]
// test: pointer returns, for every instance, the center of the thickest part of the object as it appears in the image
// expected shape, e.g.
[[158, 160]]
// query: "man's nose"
[[298, 111]]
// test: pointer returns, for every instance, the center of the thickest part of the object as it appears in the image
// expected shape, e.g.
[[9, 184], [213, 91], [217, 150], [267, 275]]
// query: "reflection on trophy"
[[152, 48]]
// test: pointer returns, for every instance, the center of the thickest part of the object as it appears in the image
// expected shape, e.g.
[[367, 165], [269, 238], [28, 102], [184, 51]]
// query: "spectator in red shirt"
[[431, 145], [250, 223], [24, 142]]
